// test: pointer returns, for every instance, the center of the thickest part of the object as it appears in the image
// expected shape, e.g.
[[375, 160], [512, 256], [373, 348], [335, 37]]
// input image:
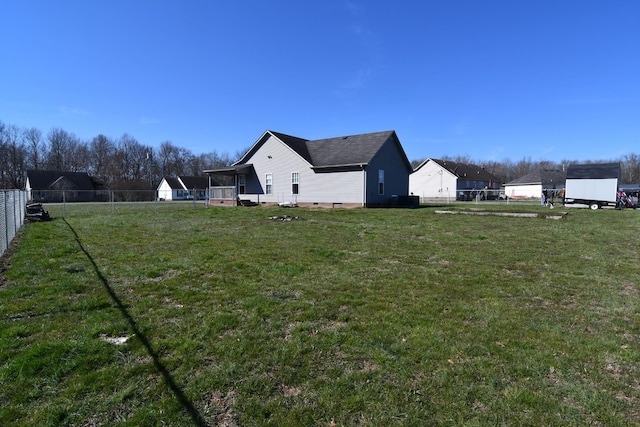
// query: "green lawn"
[[375, 317]]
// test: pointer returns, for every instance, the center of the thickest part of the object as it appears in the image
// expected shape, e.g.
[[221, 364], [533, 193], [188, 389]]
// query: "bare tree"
[[239, 153], [417, 162], [132, 158], [3, 155], [101, 154], [80, 157], [35, 147], [12, 157], [61, 146], [630, 165], [211, 160], [459, 158], [172, 159]]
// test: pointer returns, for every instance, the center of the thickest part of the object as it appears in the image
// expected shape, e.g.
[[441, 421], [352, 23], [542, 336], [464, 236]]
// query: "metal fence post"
[[16, 211]]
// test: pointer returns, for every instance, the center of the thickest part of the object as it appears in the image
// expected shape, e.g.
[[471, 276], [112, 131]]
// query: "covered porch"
[[241, 193]]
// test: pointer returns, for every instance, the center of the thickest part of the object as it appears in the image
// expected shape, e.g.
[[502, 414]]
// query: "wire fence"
[[63, 203], [482, 195], [13, 205]]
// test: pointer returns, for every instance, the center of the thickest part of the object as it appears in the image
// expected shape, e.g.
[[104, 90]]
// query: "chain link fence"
[[13, 205], [62, 203], [482, 195]]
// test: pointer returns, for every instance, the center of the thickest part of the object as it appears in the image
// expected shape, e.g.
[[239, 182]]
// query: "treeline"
[[119, 164], [508, 170], [126, 164]]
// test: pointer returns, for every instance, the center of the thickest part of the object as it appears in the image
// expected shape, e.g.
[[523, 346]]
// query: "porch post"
[[235, 189]]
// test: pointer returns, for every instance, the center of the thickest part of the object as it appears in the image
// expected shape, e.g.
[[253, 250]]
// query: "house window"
[[269, 183], [295, 182], [242, 184], [381, 181]]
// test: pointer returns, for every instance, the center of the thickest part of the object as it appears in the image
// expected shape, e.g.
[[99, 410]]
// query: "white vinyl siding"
[[279, 160], [432, 181]]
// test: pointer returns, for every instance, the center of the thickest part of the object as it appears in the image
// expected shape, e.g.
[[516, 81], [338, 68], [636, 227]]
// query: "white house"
[[350, 171], [183, 188], [531, 185], [435, 179]]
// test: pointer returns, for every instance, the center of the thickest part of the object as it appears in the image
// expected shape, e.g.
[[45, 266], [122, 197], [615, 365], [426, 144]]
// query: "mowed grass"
[[375, 317]]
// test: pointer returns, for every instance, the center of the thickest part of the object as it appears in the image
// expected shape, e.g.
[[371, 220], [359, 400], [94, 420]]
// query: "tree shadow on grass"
[[179, 394]]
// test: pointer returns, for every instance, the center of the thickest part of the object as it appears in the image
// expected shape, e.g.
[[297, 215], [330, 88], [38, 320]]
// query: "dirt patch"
[[557, 215], [222, 406]]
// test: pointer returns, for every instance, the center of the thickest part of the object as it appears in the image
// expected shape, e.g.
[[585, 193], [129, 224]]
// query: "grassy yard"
[[378, 317]]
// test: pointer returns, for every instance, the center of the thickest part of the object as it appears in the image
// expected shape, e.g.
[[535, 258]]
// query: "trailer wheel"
[[594, 206]]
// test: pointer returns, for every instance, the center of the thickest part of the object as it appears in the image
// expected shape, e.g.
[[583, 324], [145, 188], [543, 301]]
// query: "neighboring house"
[[57, 186], [532, 184], [435, 178], [351, 171], [183, 188]]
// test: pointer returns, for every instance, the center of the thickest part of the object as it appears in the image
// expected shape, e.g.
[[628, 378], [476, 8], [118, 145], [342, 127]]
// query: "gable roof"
[[594, 171], [182, 182], [350, 150], [463, 170], [173, 182], [546, 177], [45, 179], [191, 182]]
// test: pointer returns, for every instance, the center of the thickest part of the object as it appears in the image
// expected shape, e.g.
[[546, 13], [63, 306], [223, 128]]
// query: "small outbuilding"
[[531, 185]]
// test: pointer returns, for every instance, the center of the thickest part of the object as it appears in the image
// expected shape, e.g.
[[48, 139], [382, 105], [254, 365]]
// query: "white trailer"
[[594, 185]]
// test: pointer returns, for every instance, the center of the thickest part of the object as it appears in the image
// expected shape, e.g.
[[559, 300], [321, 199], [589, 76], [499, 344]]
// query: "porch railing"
[[222, 193]]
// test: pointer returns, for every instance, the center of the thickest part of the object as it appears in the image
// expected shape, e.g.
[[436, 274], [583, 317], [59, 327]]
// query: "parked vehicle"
[[594, 185], [624, 200]]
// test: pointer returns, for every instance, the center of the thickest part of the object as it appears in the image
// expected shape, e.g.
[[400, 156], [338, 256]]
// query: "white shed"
[[532, 184]]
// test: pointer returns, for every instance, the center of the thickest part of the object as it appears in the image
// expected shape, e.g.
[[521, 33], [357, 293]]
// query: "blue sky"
[[489, 79]]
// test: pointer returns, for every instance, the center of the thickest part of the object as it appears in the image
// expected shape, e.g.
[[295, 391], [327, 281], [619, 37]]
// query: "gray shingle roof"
[[546, 177], [192, 182], [594, 171], [467, 170], [173, 182], [347, 150], [44, 179]]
